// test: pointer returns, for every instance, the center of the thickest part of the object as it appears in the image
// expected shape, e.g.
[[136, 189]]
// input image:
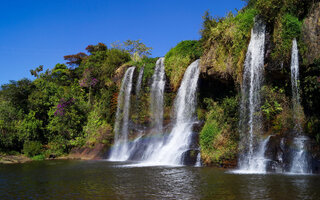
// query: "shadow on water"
[[111, 180]]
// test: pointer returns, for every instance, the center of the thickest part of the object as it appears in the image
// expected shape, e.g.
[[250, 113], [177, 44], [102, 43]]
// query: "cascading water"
[[119, 152], [171, 150], [145, 146], [138, 86], [252, 158], [157, 93], [299, 158]]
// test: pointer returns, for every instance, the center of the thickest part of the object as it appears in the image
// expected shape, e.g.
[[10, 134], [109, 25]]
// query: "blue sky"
[[41, 32]]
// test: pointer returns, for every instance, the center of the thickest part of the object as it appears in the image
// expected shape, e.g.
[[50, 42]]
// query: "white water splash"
[[119, 151], [300, 163], [258, 162], [252, 158], [198, 163]]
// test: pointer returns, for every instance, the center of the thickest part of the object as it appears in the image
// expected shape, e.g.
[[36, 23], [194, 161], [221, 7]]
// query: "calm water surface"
[[105, 180]]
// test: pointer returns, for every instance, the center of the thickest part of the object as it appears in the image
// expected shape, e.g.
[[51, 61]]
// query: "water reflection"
[[158, 182], [105, 180]]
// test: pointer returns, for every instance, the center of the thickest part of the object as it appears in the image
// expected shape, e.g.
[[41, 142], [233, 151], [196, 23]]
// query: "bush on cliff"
[[179, 58]]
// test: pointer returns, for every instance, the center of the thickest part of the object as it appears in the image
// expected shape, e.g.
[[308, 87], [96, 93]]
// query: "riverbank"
[[99, 151], [13, 159]]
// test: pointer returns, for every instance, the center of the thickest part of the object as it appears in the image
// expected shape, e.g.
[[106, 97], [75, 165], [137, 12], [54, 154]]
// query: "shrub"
[[286, 29], [58, 146], [32, 148], [276, 110], [208, 133], [39, 157], [291, 27], [97, 130]]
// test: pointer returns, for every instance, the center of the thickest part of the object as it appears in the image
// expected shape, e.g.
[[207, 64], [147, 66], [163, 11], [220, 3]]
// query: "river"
[[72, 179]]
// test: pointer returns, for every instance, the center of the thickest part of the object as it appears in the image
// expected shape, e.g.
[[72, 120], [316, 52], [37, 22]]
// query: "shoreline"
[[14, 159]]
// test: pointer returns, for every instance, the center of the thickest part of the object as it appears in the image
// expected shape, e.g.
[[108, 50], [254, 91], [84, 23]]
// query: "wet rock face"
[[215, 84], [190, 157], [280, 151], [311, 33], [278, 154]]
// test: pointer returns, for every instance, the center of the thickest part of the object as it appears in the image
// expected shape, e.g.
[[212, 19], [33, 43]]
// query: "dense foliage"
[[66, 107], [218, 138], [178, 59]]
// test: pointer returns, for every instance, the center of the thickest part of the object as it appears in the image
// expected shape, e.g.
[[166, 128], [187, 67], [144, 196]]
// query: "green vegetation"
[[148, 64], [270, 10], [285, 31], [179, 58], [276, 110], [219, 136], [284, 17], [67, 107], [311, 99], [32, 148], [225, 42], [74, 104]]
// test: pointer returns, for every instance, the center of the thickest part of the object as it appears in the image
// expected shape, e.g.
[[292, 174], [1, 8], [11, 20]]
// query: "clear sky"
[[41, 32]]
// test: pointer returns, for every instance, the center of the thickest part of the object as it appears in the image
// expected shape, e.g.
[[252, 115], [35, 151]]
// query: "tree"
[[75, 59], [94, 48], [208, 23], [17, 93], [35, 72], [137, 47], [61, 74]]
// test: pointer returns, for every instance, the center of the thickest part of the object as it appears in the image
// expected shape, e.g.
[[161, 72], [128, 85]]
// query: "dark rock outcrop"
[[190, 157], [215, 84]]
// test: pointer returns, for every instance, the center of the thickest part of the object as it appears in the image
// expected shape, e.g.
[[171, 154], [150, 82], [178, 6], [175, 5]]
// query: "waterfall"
[[299, 158], [157, 93], [250, 116], [145, 146], [294, 85], [120, 149], [170, 151], [138, 86]]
